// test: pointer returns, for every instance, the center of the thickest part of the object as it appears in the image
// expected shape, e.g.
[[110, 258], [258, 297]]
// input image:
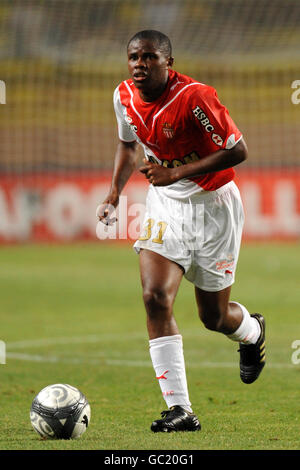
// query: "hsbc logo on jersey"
[[217, 139], [201, 116], [131, 124]]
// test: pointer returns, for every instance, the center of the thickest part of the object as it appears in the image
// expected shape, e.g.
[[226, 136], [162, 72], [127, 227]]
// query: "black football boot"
[[176, 419], [252, 356]]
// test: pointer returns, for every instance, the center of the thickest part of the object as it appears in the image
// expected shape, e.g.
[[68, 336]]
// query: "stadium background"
[[62, 59]]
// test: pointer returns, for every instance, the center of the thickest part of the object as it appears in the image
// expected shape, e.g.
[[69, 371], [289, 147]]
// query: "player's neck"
[[152, 95]]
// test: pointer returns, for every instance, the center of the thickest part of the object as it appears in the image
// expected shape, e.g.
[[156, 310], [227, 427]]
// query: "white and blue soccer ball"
[[60, 411]]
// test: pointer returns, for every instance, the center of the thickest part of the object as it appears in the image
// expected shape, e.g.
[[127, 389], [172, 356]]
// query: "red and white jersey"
[[186, 123]]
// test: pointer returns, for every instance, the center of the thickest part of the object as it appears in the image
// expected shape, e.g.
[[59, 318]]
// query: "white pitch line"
[[36, 343], [99, 338], [102, 338], [48, 359], [76, 360], [129, 362]]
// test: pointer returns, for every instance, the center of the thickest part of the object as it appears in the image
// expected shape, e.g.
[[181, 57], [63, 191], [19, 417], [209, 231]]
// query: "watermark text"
[[295, 97], [132, 221], [296, 354], [2, 352], [2, 92]]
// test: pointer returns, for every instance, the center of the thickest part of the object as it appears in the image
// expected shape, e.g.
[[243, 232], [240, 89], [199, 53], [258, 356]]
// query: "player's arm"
[[220, 160], [217, 161], [125, 163]]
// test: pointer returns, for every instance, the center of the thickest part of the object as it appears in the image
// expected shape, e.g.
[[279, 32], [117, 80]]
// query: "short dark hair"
[[162, 41]]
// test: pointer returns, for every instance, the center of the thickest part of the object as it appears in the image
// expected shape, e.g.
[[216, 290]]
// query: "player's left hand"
[[158, 175]]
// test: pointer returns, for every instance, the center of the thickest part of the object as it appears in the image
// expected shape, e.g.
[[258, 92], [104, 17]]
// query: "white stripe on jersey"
[[126, 134], [133, 107]]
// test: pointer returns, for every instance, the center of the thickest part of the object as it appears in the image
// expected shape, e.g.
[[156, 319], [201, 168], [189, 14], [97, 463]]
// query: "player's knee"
[[157, 300]]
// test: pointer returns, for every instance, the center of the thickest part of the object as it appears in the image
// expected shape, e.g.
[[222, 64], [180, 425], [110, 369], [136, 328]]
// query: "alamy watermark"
[[2, 352], [2, 92], [295, 97], [131, 221], [296, 354]]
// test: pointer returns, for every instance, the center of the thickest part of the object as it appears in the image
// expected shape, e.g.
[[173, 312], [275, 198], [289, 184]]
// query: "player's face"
[[148, 68]]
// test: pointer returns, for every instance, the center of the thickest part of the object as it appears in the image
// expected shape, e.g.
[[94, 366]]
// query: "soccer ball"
[[60, 411]]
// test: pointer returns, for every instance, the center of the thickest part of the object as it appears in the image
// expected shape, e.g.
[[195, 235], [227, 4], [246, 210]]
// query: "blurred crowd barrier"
[[47, 208]]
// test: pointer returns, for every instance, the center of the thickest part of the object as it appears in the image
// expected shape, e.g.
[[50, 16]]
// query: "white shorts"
[[203, 234]]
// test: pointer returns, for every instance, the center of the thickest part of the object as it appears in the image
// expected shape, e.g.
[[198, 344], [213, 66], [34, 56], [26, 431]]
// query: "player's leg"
[[218, 314], [213, 275], [234, 320], [160, 281]]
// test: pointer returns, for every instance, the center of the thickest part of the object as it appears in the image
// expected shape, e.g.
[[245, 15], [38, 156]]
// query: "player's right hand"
[[105, 210]]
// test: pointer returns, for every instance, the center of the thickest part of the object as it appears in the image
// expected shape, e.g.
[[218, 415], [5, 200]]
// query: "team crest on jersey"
[[168, 130]]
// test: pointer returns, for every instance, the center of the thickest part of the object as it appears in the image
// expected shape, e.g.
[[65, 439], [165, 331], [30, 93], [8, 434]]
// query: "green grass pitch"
[[74, 314]]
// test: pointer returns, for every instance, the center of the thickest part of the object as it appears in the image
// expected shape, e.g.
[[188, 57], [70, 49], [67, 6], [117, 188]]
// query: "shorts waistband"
[[198, 197], [211, 195]]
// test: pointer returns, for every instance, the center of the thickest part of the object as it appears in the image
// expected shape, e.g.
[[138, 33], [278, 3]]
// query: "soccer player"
[[194, 215]]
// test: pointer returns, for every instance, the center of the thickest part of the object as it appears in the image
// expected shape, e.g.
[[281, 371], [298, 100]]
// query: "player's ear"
[[170, 62]]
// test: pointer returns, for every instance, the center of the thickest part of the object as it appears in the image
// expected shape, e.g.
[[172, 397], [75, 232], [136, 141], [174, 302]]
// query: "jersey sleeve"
[[124, 131], [213, 119]]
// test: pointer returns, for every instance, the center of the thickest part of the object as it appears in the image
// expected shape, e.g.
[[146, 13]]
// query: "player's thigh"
[[214, 264], [162, 230], [159, 275]]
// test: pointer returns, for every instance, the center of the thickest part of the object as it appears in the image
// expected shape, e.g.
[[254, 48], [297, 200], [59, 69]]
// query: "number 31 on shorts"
[[154, 229]]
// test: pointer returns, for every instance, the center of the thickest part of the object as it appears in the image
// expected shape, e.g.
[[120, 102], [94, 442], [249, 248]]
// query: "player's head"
[[160, 40], [149, 59]]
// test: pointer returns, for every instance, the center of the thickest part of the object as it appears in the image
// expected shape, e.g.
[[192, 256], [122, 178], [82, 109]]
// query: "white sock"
[[249, 330], [168, 361]]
